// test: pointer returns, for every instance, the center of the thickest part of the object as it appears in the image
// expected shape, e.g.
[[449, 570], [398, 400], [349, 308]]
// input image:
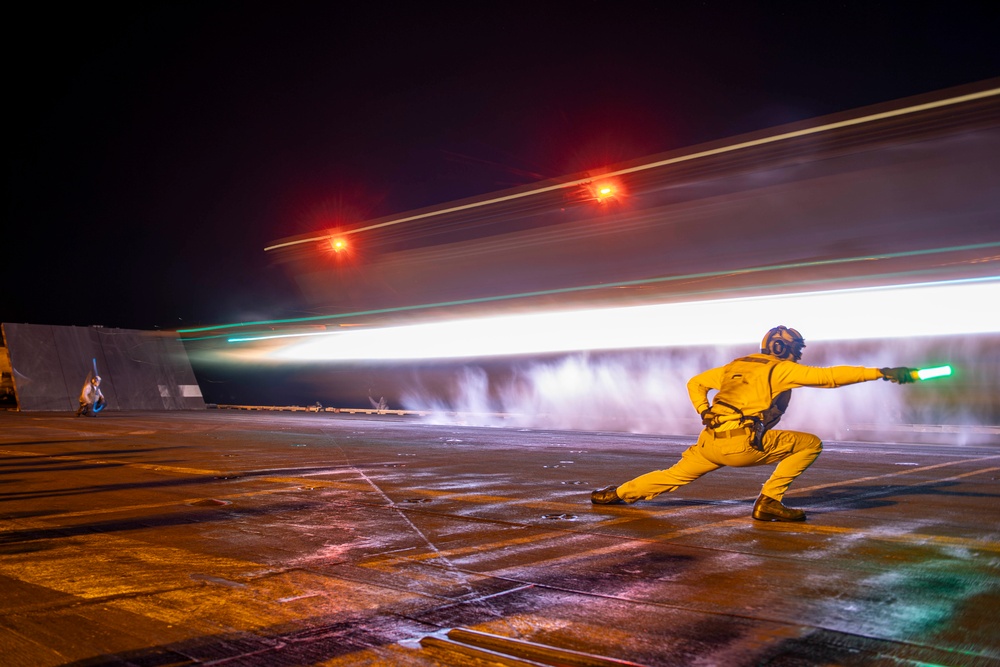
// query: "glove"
[[709, 419], [900, 375]]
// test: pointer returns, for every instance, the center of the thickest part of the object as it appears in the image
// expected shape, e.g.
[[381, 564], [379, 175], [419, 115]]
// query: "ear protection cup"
[[782, 342]]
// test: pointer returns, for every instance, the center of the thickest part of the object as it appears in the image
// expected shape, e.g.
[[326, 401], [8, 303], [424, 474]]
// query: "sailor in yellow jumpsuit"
[[753, 393]]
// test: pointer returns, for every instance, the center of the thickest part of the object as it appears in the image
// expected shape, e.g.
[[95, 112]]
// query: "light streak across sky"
[[904, 311], [827, 127]]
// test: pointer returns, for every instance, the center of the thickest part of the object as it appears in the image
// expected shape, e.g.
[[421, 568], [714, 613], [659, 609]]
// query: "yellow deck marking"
[[117, 462]]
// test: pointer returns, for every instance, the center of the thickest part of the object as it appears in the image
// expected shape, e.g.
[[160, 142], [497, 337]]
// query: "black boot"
[[606, 496], [769, 509]]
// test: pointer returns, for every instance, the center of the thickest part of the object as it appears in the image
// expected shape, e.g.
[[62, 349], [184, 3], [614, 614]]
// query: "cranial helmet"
[[783, 343]]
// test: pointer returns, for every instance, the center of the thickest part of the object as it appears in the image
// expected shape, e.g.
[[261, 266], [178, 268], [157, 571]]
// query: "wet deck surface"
[[298, 539]]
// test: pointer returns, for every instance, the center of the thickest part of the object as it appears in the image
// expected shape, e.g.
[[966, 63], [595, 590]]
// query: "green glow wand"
[[929, 373]]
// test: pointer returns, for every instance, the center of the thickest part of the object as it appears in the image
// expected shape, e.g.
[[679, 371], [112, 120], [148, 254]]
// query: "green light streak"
[[936, 372], [585, 288]]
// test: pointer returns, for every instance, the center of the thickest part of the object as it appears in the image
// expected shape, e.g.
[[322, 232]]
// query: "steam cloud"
[[645, 391]]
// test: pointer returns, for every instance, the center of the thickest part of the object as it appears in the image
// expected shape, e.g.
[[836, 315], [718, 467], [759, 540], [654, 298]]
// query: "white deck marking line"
[[899, 473], [459, 574]]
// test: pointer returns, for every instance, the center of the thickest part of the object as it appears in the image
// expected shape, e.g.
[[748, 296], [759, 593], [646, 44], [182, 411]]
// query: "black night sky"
[[154, 149]]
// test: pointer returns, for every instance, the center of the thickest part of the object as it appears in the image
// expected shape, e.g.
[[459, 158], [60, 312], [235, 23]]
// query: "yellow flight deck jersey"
[[759, 383]]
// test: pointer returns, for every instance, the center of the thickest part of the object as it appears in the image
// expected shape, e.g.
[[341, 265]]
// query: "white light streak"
[[653, 165], [935, 309]]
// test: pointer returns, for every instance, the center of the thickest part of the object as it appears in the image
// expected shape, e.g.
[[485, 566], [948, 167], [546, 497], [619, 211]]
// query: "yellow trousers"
[[791, 450]]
